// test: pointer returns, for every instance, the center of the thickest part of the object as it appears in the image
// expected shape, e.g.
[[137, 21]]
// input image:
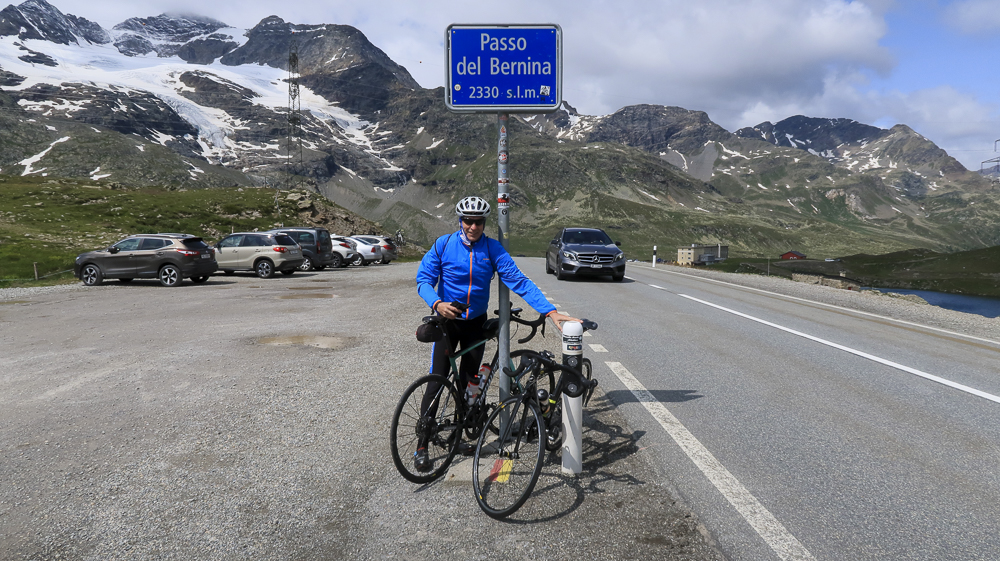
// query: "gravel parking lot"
[[249, 419]]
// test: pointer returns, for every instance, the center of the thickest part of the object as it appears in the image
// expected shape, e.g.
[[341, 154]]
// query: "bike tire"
[[554, 435], [506, 467], [443, 430]]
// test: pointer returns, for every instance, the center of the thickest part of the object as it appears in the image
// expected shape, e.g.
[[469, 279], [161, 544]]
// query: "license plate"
[[205, 256], [596, 266]]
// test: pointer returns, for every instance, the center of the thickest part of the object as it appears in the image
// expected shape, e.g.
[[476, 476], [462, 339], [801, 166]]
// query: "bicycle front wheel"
[[506, 466], [437, 429]]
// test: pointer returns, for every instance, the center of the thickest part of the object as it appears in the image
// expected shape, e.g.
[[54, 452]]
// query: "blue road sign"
[[503, 68]]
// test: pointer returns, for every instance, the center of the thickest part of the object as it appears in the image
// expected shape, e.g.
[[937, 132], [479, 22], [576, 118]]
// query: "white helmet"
[[472, 206]]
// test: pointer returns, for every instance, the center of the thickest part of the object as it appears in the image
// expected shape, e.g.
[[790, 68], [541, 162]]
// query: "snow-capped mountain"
[[183, 100], [37, 19], [203, 89], [856, 146]]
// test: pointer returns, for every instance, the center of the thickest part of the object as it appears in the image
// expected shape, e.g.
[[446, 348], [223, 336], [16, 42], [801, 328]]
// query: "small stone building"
[[700, 254]]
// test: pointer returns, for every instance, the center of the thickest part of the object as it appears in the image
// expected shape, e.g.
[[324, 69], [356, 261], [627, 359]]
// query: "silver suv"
[[260, 252]]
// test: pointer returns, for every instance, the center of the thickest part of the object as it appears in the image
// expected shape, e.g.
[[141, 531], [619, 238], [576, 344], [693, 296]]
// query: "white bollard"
[[654, 256], [572, 455], [572, 419]]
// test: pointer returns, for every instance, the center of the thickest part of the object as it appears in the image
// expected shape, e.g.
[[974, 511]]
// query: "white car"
[[388, 248], [368, 253], [261, 252]]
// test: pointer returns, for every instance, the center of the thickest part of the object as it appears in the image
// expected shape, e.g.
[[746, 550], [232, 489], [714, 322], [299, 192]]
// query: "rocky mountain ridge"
[[368, 137]]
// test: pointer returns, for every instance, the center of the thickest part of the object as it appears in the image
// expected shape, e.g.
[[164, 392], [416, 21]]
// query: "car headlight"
[[619, 257], [570, 255]]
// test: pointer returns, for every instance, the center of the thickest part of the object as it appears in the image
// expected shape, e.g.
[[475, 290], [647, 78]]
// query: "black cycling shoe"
[[421, 461], [466, 448]]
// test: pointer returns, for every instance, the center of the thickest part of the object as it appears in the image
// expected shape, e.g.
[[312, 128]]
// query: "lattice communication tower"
[[293, 144]]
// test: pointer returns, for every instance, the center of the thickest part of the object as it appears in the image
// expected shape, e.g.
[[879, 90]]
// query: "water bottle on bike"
[[475, 384]]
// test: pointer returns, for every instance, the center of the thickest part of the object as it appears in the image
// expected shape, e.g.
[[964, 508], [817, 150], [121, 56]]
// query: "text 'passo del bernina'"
[[503, 67]]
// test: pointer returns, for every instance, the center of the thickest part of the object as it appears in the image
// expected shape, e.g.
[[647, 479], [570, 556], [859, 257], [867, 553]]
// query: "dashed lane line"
[[773, 532]]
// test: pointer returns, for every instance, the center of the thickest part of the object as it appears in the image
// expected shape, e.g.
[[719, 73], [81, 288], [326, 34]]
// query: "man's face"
[[473, 228]]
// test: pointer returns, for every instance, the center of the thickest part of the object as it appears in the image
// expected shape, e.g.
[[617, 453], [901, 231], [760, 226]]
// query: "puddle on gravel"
[[321, 280], [318, 341], [15, 302], [307, 295]]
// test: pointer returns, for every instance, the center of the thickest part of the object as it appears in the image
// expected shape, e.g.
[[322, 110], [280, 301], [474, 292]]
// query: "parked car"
[[170, 258], [388, 248], [346, 247], [261, 252], [368, 251], [317, 247], [584, 251]]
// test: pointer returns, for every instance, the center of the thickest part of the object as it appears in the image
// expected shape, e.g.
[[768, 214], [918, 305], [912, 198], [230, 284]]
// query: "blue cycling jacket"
[[463, 274]]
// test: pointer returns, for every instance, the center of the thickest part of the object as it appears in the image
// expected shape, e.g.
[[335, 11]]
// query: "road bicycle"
[[439, 420], [507, 463]]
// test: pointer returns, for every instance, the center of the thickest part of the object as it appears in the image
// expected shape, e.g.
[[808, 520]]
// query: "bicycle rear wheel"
[[554, 429], [506, 466], [438, 429]]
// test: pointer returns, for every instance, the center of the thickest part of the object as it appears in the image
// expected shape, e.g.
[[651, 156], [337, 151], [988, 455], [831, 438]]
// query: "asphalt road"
[[249, 419], [799, 430]]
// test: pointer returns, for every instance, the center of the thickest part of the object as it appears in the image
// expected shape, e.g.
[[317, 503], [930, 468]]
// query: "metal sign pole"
[[503, 221]]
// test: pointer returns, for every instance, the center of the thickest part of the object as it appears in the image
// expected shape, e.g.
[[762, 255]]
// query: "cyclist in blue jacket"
[[461, 265]]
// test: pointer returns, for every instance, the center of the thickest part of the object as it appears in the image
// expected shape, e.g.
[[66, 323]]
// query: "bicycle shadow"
[[619, 397], [607, 447]]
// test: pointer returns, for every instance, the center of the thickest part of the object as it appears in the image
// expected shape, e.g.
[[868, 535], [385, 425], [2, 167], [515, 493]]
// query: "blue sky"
[[924, 63]]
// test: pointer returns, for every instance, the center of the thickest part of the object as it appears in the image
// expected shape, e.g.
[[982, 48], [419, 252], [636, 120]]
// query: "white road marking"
[[597, 348], [861, 354], [760, 519], [920, 325], [587, 334]]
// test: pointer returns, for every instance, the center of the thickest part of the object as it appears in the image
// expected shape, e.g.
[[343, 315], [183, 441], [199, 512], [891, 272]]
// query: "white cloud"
[[974, 16]]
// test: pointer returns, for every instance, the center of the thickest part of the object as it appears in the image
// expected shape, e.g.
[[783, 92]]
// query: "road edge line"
[[760, 519], [920, 373]]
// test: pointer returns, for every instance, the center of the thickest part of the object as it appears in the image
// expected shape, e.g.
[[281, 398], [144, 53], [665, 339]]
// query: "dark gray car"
[[170, 258], [317, 248], [584, 251]]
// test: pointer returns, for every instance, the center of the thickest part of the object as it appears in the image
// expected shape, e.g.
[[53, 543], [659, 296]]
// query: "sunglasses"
[[474, 221]]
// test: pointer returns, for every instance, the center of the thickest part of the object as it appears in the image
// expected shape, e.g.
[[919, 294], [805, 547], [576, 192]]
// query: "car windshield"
[[282, 239], [588, 237]]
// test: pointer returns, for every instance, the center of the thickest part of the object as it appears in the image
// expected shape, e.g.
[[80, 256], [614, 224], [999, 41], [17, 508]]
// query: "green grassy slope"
[[50, 221]]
